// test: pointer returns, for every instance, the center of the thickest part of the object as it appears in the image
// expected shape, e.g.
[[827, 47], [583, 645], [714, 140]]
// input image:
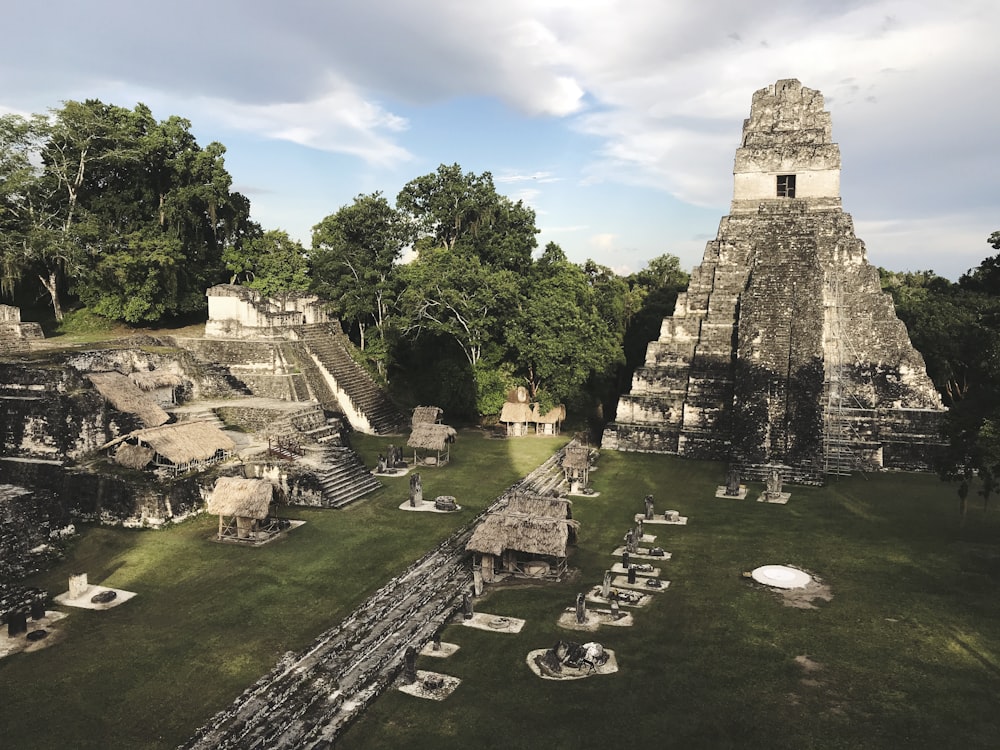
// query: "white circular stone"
[[781, 576]]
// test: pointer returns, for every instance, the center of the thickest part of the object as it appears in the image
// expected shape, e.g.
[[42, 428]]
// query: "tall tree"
[[354, 256], [457, 296], [566, 329], [110, 189], [462, 212]]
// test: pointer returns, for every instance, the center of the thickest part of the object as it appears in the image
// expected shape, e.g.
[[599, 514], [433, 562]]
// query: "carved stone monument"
[[784, 348], [78, 586], [416, 490], [410, 665], [774, 483], [733, 482], [606, 584], [581, 609], [649, 508], [467, 609]]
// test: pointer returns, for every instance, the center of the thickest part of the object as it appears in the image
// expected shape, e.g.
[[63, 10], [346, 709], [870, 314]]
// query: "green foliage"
[[652, 294], [462, 212], [458, 296], [354, 257], [957, 328], [271, 263], [566, 328], [93, 191], [493, 383]]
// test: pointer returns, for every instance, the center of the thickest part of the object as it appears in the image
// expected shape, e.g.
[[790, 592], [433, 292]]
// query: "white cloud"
[[340, 121]]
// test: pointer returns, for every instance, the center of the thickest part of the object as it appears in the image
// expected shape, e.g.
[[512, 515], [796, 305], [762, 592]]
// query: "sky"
[[616, 120]]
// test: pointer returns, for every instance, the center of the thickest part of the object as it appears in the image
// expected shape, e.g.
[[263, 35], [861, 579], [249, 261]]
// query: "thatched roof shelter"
[[241, 505], [426, 415], [152, 380], [125, 396], [533, 535], [528, 536], [432, 438], [542, 506], [549, 422], [576, 457], [134, 456], [576, 466], [182, 445], [236, 496], [516, 411]]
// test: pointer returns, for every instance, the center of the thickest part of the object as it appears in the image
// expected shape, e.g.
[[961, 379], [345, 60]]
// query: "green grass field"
[[908, 648]]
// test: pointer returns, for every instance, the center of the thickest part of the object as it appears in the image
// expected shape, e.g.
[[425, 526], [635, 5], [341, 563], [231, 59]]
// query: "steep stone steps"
[[343, 477], [330, 348]]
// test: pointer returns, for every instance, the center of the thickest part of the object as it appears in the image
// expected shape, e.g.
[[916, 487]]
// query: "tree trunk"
[[53, 289]]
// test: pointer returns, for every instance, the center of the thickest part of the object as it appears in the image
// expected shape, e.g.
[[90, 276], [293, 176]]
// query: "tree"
[[457, 296], [271, 262], [96, 182], [560, 335], [354, 256], [957, 328], [652, 295], [462, 212]]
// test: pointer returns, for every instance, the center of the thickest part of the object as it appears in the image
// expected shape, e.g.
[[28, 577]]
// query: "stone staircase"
[[330, 349], [291, 433], [201, 415], [342, 476]]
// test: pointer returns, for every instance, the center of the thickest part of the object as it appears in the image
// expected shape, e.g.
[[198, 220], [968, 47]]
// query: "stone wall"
[[27, 522]]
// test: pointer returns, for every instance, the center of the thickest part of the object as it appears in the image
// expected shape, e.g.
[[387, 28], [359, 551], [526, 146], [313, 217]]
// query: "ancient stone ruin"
[[784, 351]]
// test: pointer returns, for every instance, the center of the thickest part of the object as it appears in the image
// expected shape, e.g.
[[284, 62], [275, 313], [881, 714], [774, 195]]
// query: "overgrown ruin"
[[136, 431], [784, 351]]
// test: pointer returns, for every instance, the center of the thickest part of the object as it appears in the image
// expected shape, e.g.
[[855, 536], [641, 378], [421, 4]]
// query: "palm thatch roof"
[[529, 534], [516, 411], [553, 416], [134, 456], [426, 415], [434, 437], [576, 457], [245, 498], [153, 379], [183, 442], [542, 506], [125, 396]]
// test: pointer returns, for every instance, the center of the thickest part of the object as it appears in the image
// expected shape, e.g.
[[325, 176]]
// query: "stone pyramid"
[[784, 351]]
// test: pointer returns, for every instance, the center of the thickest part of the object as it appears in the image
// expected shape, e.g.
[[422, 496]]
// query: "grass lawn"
[[210, 618], [908, 648]]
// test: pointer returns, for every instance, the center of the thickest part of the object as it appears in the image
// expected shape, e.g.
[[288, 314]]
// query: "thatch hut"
[[179, 447], [529, 537], [516, 415], [242, 505], [427, 439], [134, 456], [576, 466], [549, 423], [125, 396], [160, 385], [426, 415]]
